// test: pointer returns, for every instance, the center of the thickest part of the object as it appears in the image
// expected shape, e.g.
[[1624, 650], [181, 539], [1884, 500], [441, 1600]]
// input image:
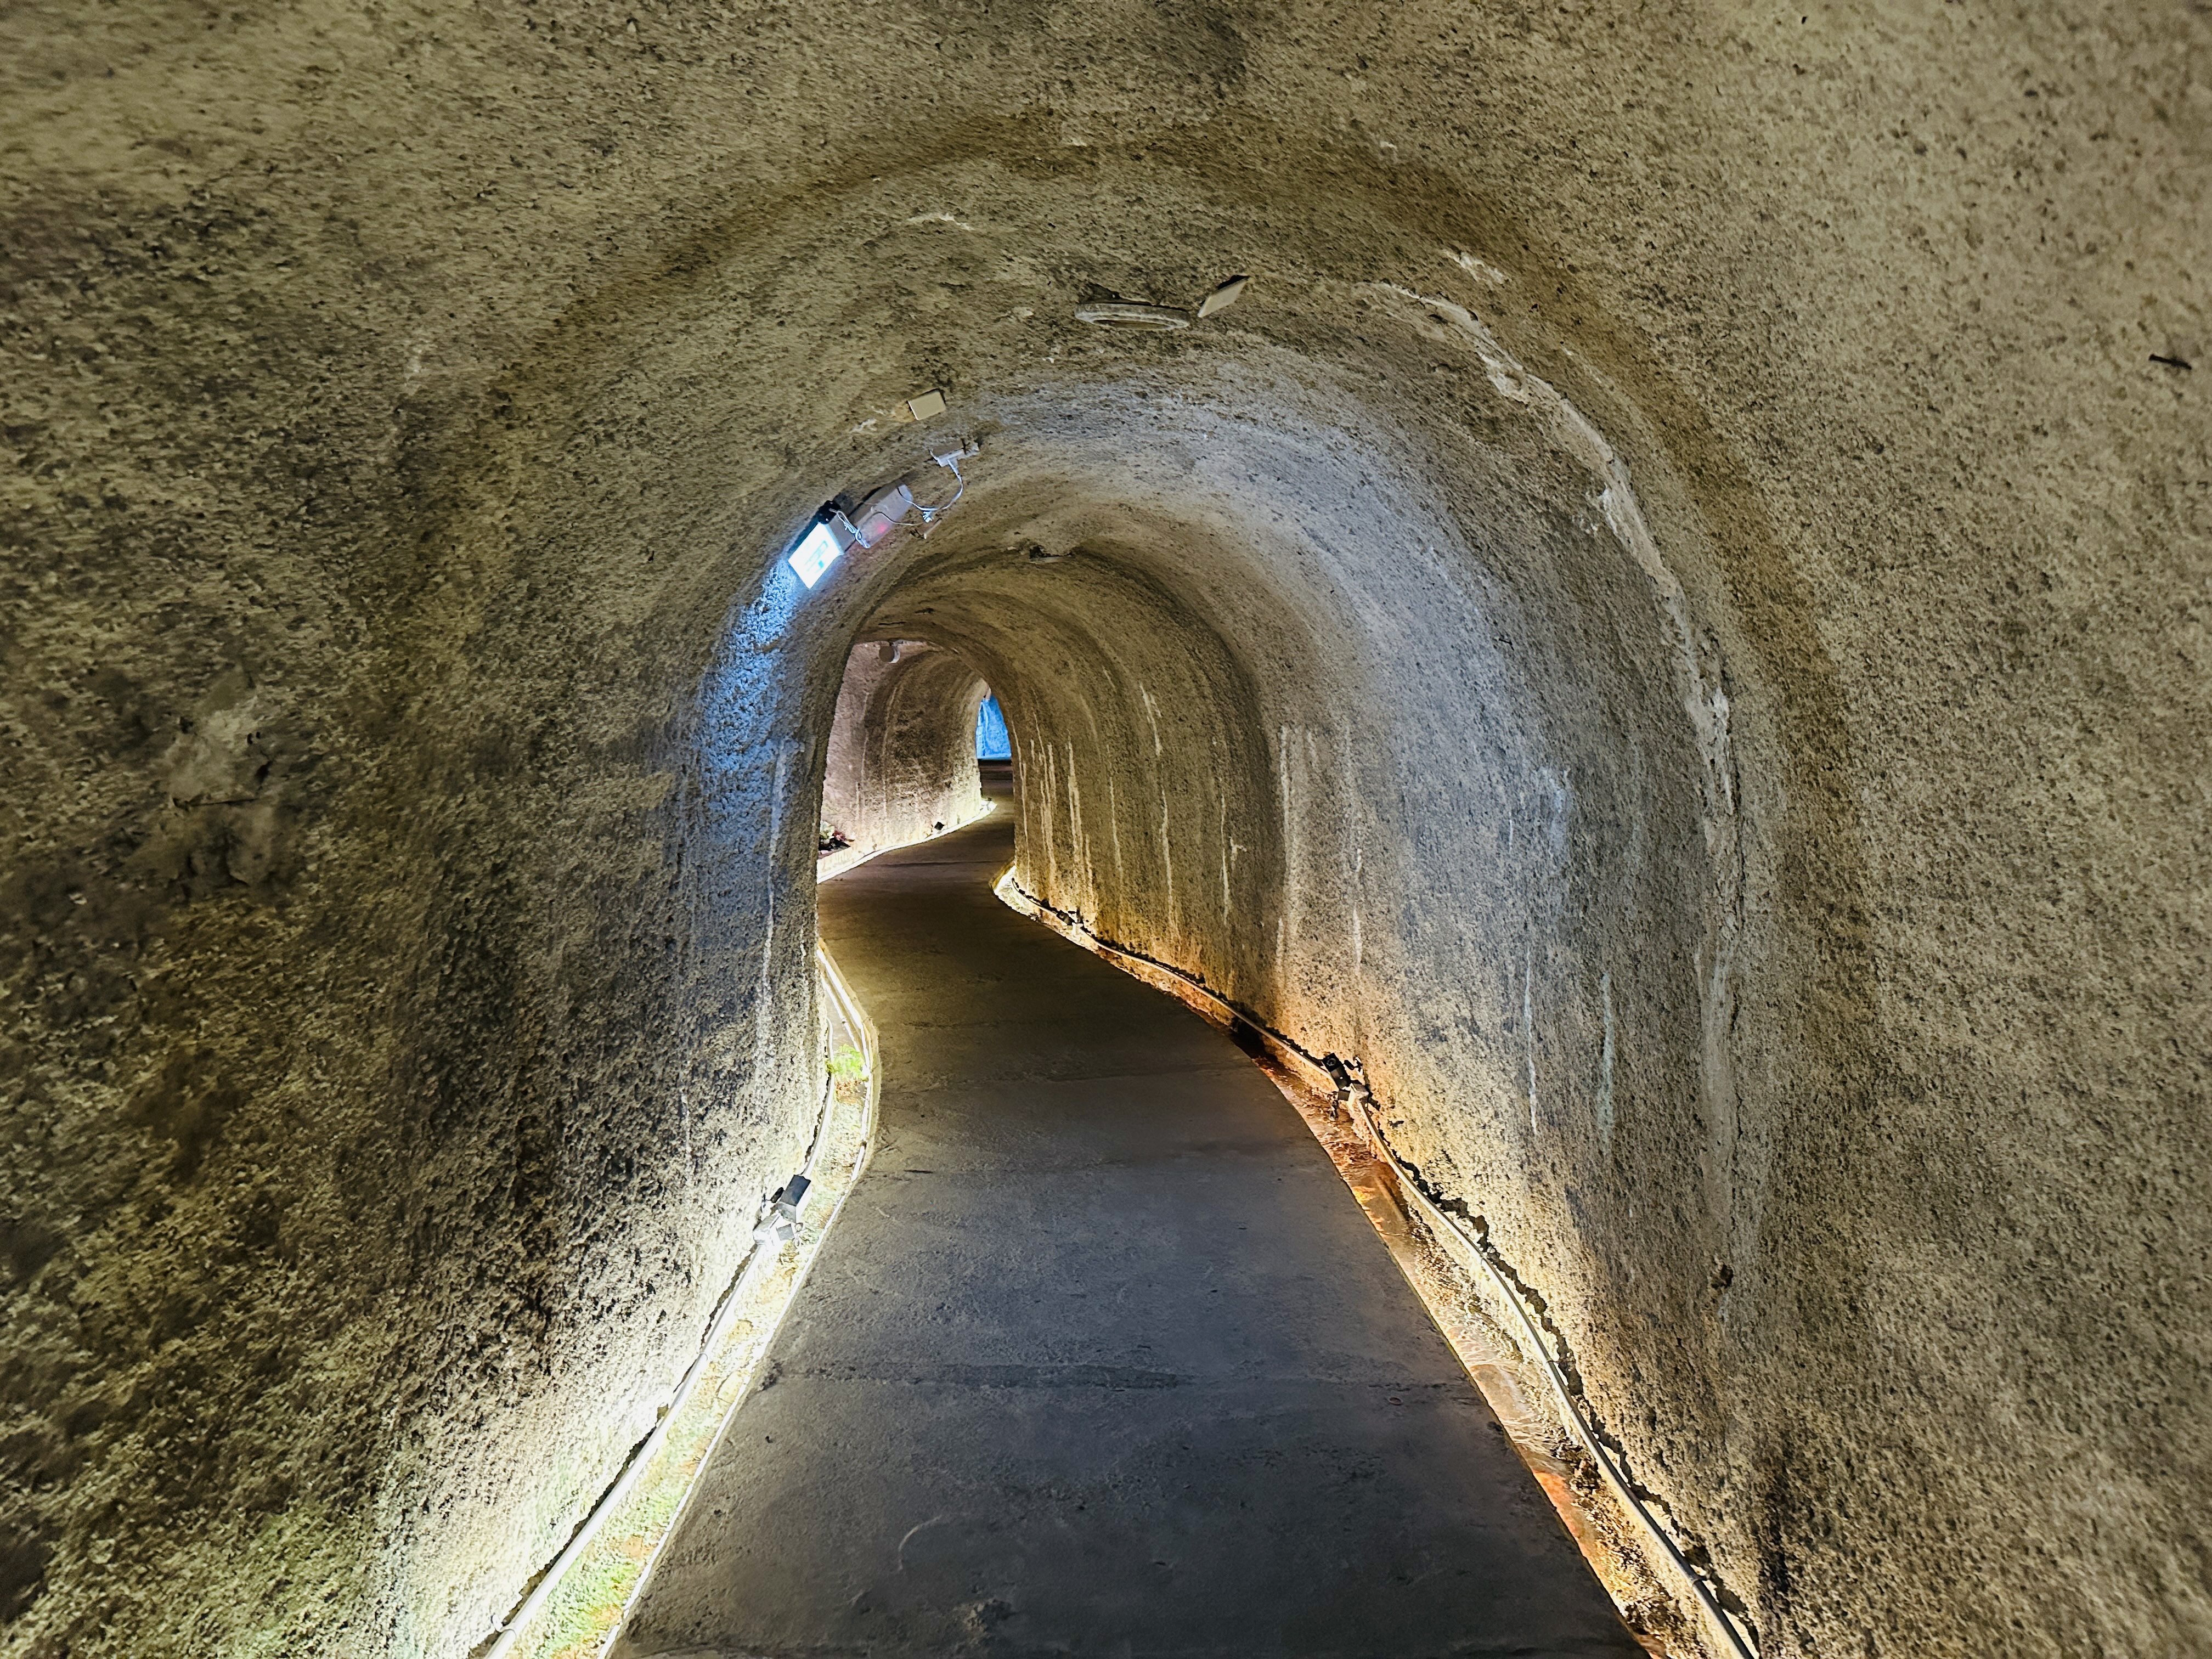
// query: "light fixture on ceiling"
[[1131, 313], [833, 534], [1223, 297], [821, 546]]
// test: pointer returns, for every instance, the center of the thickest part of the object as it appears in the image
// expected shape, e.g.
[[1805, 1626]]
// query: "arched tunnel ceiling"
[[1667, 621]]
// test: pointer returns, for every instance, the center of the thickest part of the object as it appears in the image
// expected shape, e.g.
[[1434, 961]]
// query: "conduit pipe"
[[1717, 1623]]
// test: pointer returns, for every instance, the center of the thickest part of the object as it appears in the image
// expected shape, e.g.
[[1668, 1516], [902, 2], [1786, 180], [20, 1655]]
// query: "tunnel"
[[1623, 586]]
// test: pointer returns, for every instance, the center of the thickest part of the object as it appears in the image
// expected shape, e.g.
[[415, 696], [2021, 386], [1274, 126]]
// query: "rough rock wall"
[[412, 740], [401, 1039], [409, 892], [902, 754]]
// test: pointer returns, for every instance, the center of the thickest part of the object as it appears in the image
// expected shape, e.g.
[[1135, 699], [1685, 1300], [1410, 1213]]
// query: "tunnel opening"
[[899, 763], [1399, 740], [1402, 756], [992, 741]]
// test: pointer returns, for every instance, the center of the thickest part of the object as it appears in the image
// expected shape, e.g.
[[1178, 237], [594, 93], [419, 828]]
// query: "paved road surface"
[[1101, 1359]]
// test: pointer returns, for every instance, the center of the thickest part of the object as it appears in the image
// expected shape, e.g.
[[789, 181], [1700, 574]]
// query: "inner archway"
[[900, 758], [1413, 758]]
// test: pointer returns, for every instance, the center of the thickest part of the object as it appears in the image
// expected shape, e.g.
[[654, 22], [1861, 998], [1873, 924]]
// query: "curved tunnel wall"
[[1399, 761], [414, 741], [901, 764]]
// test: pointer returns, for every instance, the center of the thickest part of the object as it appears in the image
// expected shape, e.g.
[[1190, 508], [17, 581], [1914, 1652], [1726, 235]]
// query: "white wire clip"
[[949, 459]]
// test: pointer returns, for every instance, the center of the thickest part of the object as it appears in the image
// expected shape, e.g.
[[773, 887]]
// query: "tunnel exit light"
[[817, 551]]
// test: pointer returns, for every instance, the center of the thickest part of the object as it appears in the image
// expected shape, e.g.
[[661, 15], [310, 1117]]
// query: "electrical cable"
[[522, 1621], [931, 514]]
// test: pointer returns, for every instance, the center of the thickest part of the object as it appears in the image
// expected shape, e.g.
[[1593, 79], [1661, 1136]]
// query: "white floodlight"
[[817, 550], [833, 535]]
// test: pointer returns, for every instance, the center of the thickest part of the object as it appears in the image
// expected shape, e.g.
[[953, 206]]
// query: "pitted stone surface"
[[1668, 622]]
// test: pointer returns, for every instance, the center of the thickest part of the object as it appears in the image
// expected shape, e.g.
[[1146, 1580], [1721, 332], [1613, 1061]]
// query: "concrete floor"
[[1101, 1359]]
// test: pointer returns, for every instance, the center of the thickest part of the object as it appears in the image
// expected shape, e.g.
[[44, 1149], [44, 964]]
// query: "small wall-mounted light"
[[833, 534], [821, 546], [780, 1226], [1223, 297]]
